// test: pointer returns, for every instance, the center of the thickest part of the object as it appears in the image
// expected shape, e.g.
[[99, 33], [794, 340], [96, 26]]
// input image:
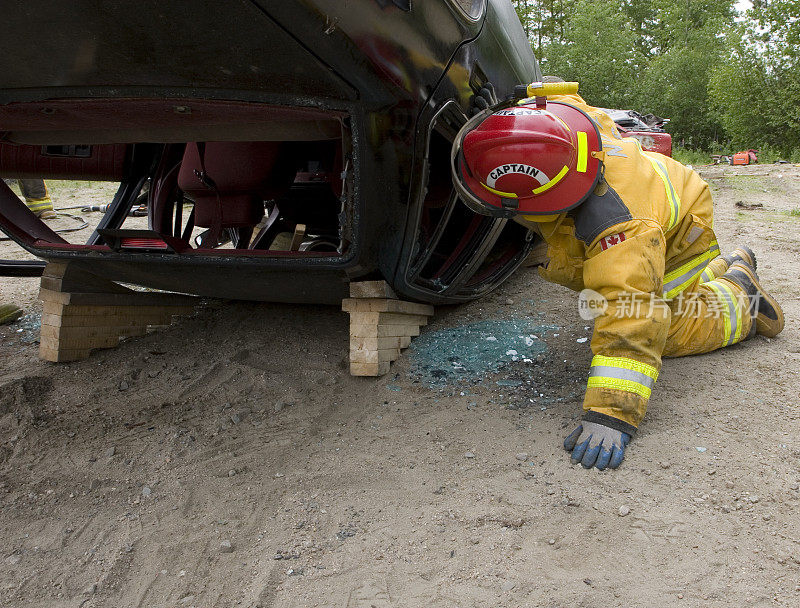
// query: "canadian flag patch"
[[611, 239]]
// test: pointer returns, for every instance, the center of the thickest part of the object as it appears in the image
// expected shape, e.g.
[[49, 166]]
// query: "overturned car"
[[284, 147], [648, 129]]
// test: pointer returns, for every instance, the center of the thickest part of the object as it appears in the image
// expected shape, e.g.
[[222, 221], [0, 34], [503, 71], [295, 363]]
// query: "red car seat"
[[229, 181]]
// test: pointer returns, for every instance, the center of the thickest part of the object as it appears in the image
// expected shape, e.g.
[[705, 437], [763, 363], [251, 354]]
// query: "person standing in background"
[[37, 198]]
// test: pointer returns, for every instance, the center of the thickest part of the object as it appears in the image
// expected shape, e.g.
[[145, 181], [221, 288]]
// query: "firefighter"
[[631, 230], [37, 198]]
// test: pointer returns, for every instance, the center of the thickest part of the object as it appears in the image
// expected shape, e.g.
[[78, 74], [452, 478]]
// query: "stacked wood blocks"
[[76, 322], [380, 326]]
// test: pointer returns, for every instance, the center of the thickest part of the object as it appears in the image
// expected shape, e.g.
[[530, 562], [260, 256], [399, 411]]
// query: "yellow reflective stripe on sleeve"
[[622, 374], [626, 363], [553, 181], [583, 152], [619, 385], [672, 196], [732, 331], [676, 281]]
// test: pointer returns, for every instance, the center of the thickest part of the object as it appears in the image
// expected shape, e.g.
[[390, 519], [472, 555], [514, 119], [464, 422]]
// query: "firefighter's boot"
[[765, 310], [37, 198], [719, 265], [41, 207]]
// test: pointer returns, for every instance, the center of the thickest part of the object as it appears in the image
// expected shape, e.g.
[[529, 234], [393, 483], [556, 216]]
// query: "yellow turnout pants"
[[713, 312]]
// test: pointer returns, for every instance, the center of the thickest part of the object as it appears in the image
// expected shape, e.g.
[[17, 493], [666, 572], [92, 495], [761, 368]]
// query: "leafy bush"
[[691, 157], [728, 80]]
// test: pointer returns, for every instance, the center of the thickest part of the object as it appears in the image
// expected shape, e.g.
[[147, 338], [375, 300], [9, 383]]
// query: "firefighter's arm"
[[625, 264]]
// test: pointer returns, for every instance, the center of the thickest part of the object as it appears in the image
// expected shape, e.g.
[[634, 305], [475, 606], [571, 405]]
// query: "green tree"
[[543, 20], [756, 90], [597, 50], [686, 42], [778, 24], [641, 18], [687, 60]]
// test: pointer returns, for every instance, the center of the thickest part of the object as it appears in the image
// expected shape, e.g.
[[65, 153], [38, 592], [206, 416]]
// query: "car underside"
[[282, 148]]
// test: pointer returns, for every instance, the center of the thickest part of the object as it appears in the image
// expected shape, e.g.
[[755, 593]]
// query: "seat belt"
[[211, 237]]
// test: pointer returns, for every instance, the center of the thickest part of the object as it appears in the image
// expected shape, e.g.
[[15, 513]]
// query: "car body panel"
[[371, 74], [647, 129]]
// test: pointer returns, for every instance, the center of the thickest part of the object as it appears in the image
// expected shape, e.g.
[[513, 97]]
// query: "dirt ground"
[[230, 460]]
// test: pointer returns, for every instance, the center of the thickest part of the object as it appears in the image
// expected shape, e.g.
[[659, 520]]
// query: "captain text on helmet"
[[635, 227]]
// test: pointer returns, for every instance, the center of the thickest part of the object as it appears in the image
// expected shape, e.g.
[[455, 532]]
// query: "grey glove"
[[485, 98], [597, 445]]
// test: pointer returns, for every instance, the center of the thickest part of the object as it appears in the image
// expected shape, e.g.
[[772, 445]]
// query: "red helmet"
[[526, 159]]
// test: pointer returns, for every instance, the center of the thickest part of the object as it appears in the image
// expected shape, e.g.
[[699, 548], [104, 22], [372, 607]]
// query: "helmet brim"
[[572, 189]]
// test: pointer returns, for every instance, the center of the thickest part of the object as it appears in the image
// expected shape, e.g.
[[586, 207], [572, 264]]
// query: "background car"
[[647, 128]]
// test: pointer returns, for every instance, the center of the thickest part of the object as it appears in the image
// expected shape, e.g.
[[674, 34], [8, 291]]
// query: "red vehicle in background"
[[648, 129]]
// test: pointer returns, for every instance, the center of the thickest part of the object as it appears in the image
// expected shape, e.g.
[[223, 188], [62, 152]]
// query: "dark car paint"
[[390, 69]]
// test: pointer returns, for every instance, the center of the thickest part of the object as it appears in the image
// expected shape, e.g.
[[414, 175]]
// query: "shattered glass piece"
[[479, 348], [509, 382]]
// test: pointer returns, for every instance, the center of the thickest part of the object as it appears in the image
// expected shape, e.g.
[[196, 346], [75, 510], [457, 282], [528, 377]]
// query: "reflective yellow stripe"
[[672, 196], [675, 202], [619, 385], [733, 322], [682, 277], [538, 190], [498, 192], [553, 181], [39, 204], [622, 374], [736, 322], [626, 363], [726, 316], [583, 151]]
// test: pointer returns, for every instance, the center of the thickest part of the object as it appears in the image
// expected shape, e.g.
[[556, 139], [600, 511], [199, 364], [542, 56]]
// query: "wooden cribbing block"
[[381, 326], [83, 342], [383, 331], [143, 320], [388, 306], [374, 356], [361, 343], [76, 322], [369, 369], [71, 277], [372, 289], [64, 310], [129, 298], [50, 332], [386, 318]]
